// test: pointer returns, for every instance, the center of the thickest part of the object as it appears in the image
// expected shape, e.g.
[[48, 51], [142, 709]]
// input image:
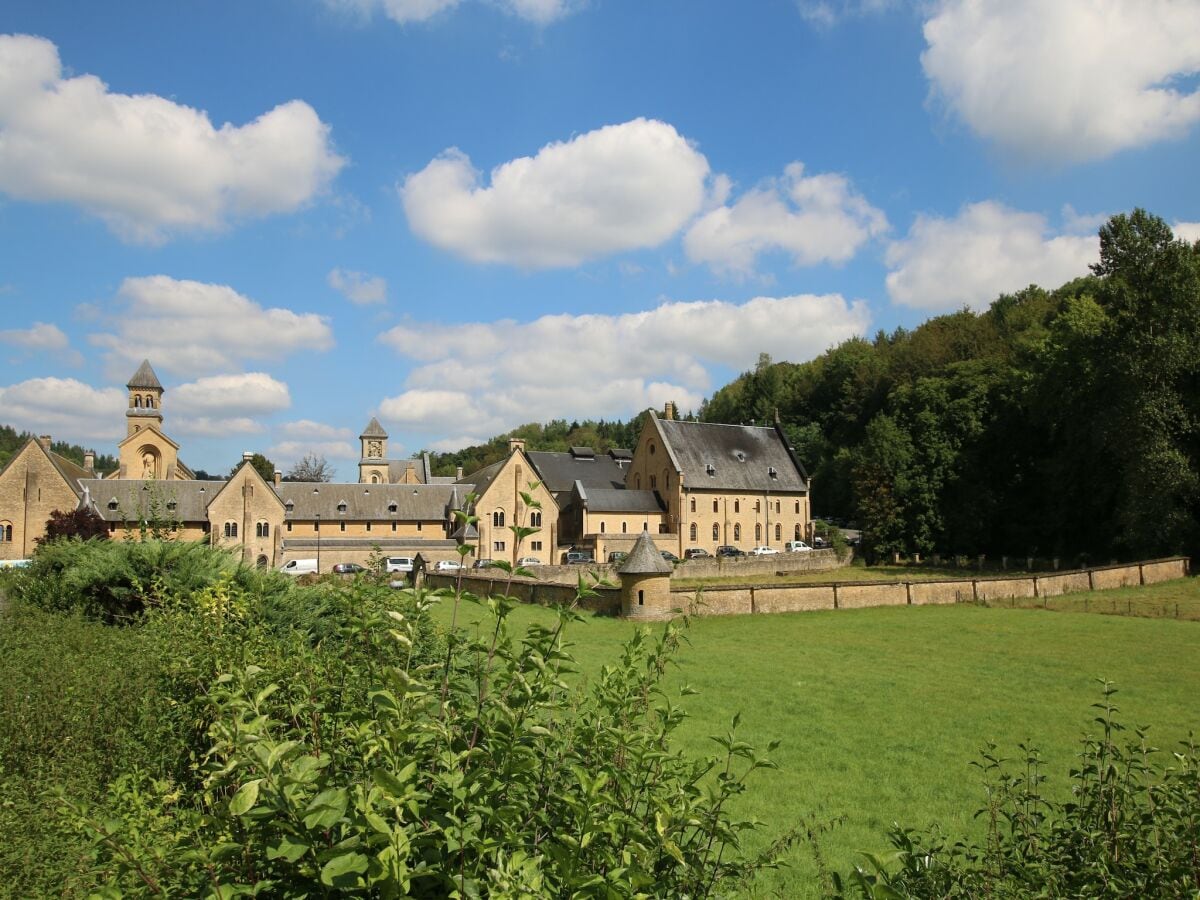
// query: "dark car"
[[726, 550], [696, 553], [669, 556], [348, 569], [616, 557], [579, 557]]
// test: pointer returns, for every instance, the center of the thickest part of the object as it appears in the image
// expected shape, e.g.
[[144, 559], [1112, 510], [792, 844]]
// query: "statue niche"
[[149, 457]]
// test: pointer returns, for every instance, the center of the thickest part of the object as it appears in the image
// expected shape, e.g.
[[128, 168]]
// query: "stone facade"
[[35, 483]]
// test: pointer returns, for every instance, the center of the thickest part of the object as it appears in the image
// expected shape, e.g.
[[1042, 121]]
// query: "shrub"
[[1131, 829], [374, 767]]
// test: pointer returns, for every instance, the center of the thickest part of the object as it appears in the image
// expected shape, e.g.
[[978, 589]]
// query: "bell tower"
[[145, 400], [373, 466]]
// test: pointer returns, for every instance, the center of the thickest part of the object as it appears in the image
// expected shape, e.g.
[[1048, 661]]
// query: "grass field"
[[881, 710]]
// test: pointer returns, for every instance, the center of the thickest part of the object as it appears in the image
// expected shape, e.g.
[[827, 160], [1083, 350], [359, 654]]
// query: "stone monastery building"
[[689, 484]]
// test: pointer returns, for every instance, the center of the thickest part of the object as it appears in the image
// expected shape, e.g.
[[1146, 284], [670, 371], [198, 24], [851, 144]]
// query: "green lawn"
[[882, 710]]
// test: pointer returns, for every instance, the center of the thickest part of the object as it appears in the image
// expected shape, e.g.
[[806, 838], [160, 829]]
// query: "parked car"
[[299, 567], [398, 564], [696, 553], [347, 569], [819, 543], [529, 561], [616, 557], [483, 564], [578, 557], [447, 565], [726, 550], [763, 551], [796, 547], [669, 556]]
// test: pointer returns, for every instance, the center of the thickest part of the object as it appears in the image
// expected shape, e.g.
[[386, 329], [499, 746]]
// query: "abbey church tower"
[[373, 466], [147, 453]]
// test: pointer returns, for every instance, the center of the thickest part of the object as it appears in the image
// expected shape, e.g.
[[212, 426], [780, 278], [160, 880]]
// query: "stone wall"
[[607, 602], [731, 567]]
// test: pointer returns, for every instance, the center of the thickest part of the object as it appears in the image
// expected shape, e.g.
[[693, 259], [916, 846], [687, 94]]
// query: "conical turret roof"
[[373, 430], [645, 559], [144, 377]]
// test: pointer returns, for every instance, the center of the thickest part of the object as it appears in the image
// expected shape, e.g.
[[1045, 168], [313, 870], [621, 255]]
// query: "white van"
[[796, 547], [398, 564], [299, 567]]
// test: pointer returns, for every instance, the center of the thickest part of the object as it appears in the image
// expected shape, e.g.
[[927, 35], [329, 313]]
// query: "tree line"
[[1056, 423]]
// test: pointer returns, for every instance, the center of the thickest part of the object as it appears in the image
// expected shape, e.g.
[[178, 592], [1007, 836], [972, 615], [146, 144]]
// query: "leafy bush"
[[376, 768], [114, 580], [1131, 829]]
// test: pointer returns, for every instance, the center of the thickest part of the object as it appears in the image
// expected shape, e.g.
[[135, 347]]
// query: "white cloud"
[[988, 249], [42, 337], [1187, 231], [306, 429], [285, 453], [147, 166], [1067, 80], [539, 12], [226, 404], [192, 328], [597, 365], [816, 218], [827, 13], [617, 188], [358, 287], [66, 409]]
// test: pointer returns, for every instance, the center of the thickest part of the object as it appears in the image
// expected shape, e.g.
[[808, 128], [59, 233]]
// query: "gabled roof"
[[144, 377], [484, 477], [559, 471], [732, 457], [141, 436], [137, 499], [373, 430], [70, 472], [645, 559], [370, 502], [619, 500]]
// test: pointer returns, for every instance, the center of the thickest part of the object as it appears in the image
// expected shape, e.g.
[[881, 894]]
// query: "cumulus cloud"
[[285, 453], [147, 166], [539, 12], [815, 219], [1070, 80], [358, 287], [617, 188], [66, 409], [501, 374], [227, 404], [986, 250], [193, 328], [43, 337], [1188, 231]]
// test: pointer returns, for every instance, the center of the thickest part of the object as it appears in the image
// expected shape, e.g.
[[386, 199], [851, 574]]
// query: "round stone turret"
[[645, 582]]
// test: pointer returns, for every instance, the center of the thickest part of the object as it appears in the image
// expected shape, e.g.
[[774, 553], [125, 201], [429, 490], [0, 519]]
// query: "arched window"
[[137, 401], [758, 532], [535, 519], [650, 446], [714, 506], [149, 403], [262, 530], [498, 519], [602, 528], [231, 529], [666, 477], [758, 506], [797, 509], [693, 504], [653, 482], [5, 533], [737, 532], [624, 527], [778, 532], [776, 506], [692, 532], [716, 532], [737, 506]]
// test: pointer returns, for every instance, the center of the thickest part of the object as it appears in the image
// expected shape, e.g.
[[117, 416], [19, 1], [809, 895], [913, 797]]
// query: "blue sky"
[[463, 215]]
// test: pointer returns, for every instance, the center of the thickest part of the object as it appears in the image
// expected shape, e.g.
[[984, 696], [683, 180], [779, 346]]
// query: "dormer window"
[[711, 469], [341, 507], [290, 506], [771, 472], [112, 504], [741, 457], [171, 504], [392, 507]]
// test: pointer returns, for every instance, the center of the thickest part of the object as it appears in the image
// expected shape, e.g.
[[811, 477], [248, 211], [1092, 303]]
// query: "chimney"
[[247, 456], [669, 410], [44, 440], [458, 473], [278, 477], [89, 460], [515, 444], [410, 474]]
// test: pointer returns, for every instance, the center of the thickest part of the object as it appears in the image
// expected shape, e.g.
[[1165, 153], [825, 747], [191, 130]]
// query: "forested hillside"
[[12, 440], [1058, 422]]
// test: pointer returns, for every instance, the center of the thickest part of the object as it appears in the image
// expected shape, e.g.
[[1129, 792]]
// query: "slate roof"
[[144, 377], [741, 457], [136, 498], [559, 471], [482, 480], [397, 468], [620, 500], [373, 430], [644, 559], [371, 502]]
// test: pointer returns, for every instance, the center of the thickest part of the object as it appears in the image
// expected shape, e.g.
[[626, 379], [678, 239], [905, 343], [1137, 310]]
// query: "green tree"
[[262, 465]]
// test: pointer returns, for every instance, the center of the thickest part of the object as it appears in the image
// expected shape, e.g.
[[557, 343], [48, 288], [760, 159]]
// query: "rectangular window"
[[535, 545], [368, 526], [497, 545], [393, 526], [289, 526], [343, 524], [418, 526]]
